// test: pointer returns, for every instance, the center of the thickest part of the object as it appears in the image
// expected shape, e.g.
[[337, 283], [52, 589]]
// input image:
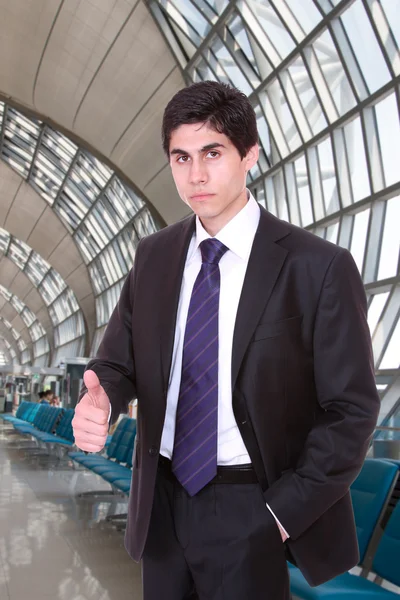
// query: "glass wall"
[[323, 77]]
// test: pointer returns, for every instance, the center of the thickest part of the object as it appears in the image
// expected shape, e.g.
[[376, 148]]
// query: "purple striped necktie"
[[194, 459]]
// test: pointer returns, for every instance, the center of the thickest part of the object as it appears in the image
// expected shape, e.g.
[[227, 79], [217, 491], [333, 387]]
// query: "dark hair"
[[224, 108], [41, 394]]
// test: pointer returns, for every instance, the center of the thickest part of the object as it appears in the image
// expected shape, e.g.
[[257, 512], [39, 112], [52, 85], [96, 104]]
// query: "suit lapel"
[[170, 287], [265, 263]]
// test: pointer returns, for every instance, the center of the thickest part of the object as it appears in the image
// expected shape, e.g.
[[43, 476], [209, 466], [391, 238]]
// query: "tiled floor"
[[54, 545]]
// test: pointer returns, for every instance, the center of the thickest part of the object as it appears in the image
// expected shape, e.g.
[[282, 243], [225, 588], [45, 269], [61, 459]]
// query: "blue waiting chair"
[[63, 434], [45, 419], [385, 565], [26, 413], [369, 493]]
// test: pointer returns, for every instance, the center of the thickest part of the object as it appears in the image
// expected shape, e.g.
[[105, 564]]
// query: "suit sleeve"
[[337, 444], [114, 362]]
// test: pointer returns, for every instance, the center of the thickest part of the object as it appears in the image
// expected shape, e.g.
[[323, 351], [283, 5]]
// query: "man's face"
[[209, 173]]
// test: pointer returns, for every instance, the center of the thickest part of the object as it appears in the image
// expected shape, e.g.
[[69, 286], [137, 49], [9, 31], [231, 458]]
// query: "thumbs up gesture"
[[90, 422]]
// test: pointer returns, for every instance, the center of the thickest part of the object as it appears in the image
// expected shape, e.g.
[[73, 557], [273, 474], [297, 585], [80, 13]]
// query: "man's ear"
[[251, 157]]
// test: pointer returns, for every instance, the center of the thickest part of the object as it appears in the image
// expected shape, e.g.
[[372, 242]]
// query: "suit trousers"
[[221, 544]]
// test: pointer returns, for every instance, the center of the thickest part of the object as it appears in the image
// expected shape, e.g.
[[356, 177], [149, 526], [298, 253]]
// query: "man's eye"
[[183, 159], [213, 154]]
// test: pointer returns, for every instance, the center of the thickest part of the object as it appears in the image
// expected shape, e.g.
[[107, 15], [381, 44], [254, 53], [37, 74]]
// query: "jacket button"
[[153, 451]]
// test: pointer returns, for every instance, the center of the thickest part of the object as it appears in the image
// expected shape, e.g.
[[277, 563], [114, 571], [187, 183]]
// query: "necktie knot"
[[212, 250]]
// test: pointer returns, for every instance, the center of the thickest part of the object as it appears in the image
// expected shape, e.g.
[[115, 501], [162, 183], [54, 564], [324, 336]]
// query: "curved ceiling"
[[28, 217], [103, 71]]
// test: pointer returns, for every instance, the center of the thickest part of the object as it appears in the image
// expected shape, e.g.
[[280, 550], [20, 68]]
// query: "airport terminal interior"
[[83, 177]]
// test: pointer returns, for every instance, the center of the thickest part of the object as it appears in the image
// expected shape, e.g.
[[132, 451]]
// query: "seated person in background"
[[47, 397], [55, 401]]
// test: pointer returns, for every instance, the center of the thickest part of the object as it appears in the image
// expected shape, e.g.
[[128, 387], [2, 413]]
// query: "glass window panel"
[[387, 114], [71, 349], [359, 237], [106, 303], [5, 293], [328, 176], [280, 195], [242, 41], [20, 139], [391, 9], [128, 242], [89, 245], [391, 358], [144, 223], [63, 307], [263, 132], [73, 204], [20, 342], [231, 68], [365, 46], [17, 304], [98, 336], [124, 204], [281, 122], [192, 16], [203, 72], [19, 252], [332, 233], [334, 73], [87, 178], [4, 240], [306, 13], [52, 286], [36, 268], [103, 212], [28, 316], [36, 331], [70, 329], [25, 357], [98, 171], [273, 27], [97, 229], [98, 277], [303, 190], [357, 160], [390, 248], [307, 96]]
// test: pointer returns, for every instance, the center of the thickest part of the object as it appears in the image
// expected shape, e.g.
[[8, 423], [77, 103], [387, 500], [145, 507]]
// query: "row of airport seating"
[[370, 493], [52, 427]]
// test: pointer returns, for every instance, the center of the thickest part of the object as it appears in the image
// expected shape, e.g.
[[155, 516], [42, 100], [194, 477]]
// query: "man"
[[245, 341]]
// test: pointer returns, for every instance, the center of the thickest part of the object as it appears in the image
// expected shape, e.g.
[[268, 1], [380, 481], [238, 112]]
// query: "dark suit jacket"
[[304, 394]]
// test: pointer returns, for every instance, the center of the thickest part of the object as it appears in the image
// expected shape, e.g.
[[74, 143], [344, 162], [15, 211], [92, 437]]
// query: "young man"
[[246, 343]]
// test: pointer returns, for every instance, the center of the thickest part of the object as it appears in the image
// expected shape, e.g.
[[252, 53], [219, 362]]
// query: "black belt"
[[229, 474]]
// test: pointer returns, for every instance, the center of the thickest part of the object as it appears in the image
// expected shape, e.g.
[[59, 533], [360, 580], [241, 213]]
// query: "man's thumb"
[[95, 390], [92, 383]]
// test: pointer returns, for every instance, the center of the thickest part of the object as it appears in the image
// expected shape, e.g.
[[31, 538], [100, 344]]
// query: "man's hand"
[[283, 533], [90, 423]]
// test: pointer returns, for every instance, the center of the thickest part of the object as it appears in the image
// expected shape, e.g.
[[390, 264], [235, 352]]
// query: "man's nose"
[[198, 173]]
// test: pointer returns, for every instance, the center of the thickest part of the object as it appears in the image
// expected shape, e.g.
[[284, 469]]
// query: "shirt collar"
[[238, 234]]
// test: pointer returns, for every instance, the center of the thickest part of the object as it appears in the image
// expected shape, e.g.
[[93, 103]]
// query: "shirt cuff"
[[109, 417], [277, 520]]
